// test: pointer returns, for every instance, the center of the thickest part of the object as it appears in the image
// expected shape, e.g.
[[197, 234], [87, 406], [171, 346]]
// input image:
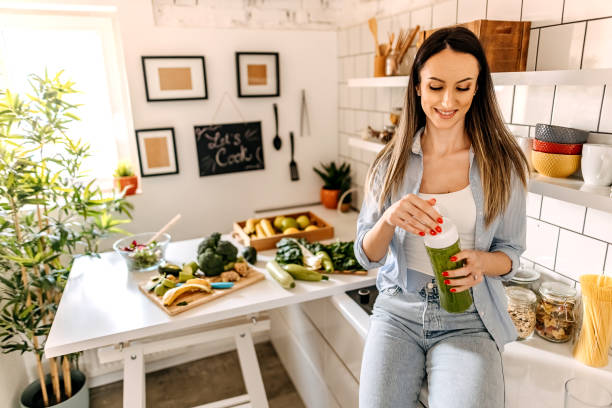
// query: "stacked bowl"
[[556, 150]]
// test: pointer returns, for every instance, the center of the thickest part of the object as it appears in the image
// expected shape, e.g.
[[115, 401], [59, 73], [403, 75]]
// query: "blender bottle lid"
[[448, 237]]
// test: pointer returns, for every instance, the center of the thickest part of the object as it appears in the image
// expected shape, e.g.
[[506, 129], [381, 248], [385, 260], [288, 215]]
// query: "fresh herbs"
[[341, 253]]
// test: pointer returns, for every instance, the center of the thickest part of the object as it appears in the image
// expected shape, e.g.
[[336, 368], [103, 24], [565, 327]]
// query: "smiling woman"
[[451, 149]]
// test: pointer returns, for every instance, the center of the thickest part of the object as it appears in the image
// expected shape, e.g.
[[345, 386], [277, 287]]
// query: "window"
[[86, 49]]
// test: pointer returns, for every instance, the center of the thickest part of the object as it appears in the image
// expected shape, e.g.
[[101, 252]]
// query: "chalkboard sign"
[[229, 148]]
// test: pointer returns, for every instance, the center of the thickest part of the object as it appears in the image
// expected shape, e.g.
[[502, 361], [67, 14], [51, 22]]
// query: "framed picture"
[[174, 78], [157, 152], [257, 74]]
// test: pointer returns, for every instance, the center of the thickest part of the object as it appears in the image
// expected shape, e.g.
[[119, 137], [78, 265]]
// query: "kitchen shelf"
[[557, 77], [570, 190], [365, 144]]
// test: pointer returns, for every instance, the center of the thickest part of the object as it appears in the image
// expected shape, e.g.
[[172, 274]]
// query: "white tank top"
[[460, 207]]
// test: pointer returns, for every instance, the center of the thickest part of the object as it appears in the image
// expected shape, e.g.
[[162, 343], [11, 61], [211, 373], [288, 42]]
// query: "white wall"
[[13, 379], [564, 240], [212, 203]]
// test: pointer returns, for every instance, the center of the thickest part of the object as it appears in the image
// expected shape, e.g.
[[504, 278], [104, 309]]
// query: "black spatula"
[[277, 140], [292, 164]]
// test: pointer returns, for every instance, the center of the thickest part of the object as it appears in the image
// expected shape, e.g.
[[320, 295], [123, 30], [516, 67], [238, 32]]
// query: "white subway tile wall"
[[564, 240], [578, 254], [560, 47], [577, 106], [470, 10], [504, 10]]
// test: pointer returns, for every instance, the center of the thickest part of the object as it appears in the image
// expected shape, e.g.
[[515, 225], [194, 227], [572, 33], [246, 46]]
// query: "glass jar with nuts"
[[522, 310], [555, 317]]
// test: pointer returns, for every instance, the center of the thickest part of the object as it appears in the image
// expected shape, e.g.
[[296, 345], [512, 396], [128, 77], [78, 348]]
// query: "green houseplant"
[[50, 213], [336, 180], [125, 179]]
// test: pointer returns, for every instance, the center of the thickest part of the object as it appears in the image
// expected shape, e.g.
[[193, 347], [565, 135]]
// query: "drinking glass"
[[581, 393]]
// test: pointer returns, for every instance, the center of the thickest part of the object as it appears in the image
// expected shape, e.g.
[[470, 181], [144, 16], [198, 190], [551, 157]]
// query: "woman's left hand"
[[471, 274]]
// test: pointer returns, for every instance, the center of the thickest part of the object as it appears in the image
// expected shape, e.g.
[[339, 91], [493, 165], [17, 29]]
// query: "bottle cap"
[[449, 235]]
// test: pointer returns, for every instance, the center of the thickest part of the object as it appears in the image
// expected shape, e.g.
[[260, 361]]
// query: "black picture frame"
[[148, 91], [145, 171], [240, 85]]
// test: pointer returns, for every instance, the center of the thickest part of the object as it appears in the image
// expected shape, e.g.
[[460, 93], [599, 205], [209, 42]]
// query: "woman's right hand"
[[414, 215]]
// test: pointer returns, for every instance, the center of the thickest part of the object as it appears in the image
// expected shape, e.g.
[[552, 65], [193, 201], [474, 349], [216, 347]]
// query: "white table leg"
[[250, 369], [134, 390]]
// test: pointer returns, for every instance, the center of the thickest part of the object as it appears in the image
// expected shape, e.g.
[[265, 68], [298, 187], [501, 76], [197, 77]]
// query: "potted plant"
[[49, 214], [125, 179], [336, 181]]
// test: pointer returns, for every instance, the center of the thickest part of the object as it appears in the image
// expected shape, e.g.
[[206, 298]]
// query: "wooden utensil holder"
[[379, 65]]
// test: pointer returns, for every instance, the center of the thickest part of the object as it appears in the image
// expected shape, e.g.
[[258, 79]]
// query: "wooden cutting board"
[[352, 272], [198, 298]]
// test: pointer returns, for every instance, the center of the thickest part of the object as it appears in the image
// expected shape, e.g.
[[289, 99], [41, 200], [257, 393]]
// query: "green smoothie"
[[440, 248]]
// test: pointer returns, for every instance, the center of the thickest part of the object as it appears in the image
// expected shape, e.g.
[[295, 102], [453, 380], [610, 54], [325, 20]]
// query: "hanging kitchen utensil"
[[293, 170], [277, 140], [304, 118]]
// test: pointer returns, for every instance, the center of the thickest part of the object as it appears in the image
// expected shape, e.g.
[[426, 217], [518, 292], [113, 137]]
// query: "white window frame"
[[104, 20]]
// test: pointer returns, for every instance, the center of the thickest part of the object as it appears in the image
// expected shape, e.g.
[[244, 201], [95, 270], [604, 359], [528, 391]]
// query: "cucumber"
[[280, 275], [302, 273]]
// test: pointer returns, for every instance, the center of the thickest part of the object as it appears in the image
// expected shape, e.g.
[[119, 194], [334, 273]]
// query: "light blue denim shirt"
[[505, 234]]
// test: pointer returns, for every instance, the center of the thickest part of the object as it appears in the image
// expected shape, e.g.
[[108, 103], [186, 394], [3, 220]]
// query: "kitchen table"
[[102, 306]]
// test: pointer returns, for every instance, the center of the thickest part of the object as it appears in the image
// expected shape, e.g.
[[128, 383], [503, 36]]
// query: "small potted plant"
[[336, 181], [125, 179]]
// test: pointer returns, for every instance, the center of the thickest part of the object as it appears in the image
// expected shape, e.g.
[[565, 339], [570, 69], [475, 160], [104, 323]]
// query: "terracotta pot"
[[329, 198], [131, 182]]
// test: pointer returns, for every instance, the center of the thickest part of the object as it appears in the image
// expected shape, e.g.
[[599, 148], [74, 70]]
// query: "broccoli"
[[228, 251], [209, 242], [210, 263], [250, 254]]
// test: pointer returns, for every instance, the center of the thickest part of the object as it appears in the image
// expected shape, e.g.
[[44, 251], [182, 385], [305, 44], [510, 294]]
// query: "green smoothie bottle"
[[440, 248]]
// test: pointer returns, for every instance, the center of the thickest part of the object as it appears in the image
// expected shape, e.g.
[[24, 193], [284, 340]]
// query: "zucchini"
[[281, 276], [326, 261], [302, 273]]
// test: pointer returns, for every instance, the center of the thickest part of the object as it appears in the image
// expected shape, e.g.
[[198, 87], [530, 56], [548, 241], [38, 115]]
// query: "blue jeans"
[[411, 338]]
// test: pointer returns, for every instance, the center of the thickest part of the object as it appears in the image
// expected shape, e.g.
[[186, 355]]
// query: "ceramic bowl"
[[557, 148], [555, 165], [560, 134], [597, 164], [140, 258]]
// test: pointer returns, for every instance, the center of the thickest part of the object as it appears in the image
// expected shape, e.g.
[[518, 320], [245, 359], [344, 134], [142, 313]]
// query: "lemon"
[[310, 228], [278, 222], [303, 221], [288, 222], [291, 230]]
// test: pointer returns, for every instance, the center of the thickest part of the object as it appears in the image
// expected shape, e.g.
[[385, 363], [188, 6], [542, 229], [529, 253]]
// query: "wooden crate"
[[323, 231], [505, 43]]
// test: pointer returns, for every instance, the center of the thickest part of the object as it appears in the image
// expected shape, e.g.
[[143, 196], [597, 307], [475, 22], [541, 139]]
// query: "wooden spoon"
[[408, 42], [164, 228], [374, 30]]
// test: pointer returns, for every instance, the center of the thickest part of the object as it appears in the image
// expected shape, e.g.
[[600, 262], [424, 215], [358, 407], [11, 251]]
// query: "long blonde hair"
[[496, 151]]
